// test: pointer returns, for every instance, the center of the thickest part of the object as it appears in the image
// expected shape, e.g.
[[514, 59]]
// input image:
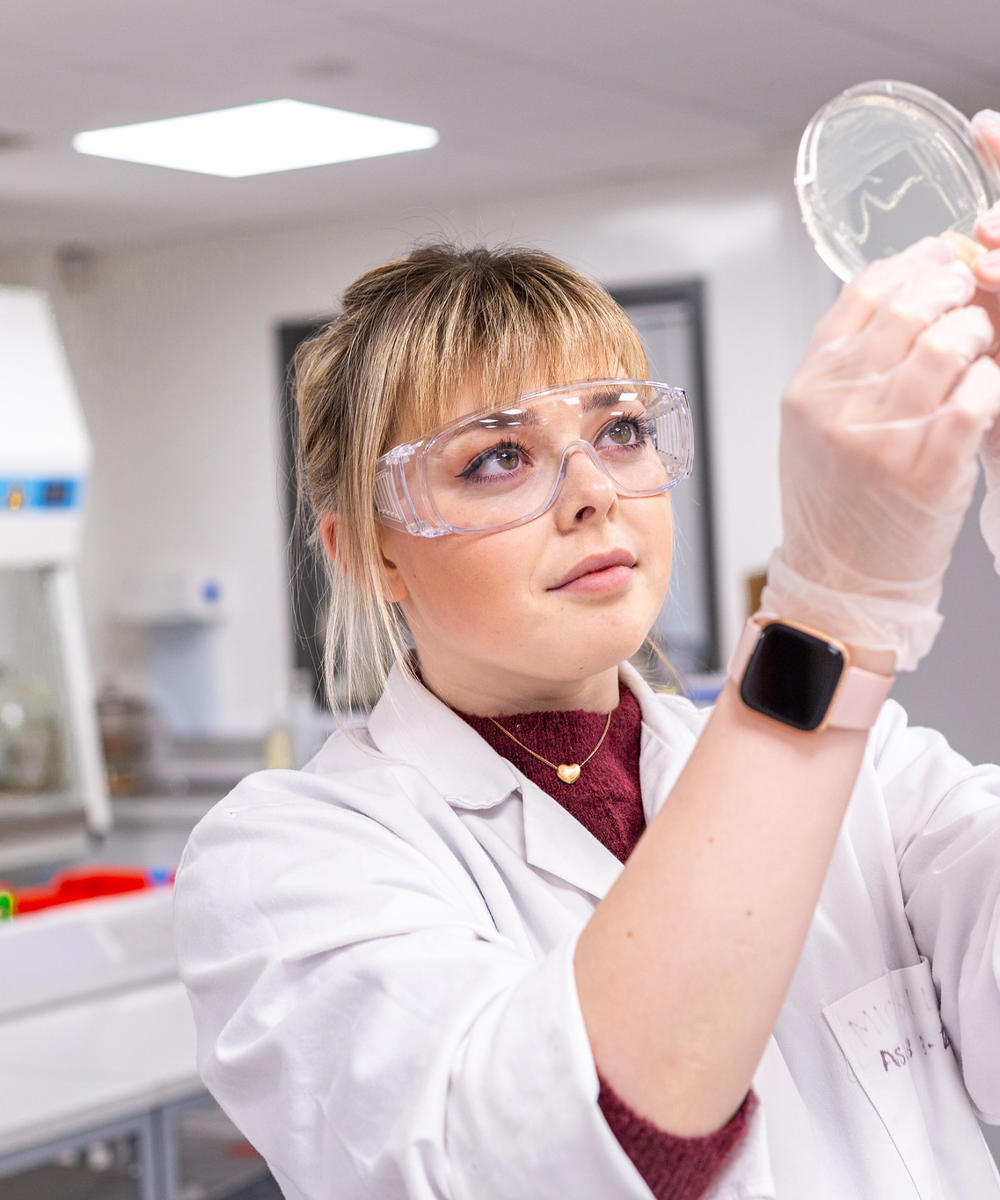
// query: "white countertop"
[[94, 1023], [71, 1067]]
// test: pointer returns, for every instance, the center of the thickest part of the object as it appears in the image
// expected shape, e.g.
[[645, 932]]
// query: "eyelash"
[[644, 428], [477, 462]]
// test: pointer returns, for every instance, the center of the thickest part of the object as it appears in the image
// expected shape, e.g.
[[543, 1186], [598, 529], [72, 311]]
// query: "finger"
[[937, 362], [959, 425], [861, 298], [986, 136], [989, 302], [986, 269], [921, 299], [987, 228], [966, 249]]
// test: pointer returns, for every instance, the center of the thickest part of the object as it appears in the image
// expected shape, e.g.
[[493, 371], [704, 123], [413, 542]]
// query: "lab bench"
[[184, 1150], [97, 1044]]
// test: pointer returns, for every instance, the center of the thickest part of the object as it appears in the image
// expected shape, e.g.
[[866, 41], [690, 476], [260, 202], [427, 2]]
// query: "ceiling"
[[528, 95]]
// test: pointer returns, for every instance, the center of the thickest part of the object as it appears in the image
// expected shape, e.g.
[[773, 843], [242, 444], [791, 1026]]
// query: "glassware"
[[29, 739], [128, 726], [884, 164]]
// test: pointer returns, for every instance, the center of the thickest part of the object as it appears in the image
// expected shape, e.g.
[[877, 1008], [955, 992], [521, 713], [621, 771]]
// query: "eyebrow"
[[606, 398], [515, 418], [511, 418]]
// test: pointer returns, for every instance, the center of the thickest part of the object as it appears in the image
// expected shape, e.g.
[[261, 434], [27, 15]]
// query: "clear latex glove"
[[989, 514], [986, 269], [989, 525], [880, 429]]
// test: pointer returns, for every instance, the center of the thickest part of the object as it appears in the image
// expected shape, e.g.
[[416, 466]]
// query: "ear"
[[394, 589], [393, 584], [328, 532]]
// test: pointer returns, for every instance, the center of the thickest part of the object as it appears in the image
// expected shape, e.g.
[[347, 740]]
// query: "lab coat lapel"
[[411, 724], [557, 843], [554, 841]]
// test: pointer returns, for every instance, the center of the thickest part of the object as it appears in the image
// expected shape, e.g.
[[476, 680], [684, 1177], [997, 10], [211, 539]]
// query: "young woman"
[[531, 930]]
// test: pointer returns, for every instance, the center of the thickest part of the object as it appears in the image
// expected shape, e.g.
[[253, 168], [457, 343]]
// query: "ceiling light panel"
[[256, 139]]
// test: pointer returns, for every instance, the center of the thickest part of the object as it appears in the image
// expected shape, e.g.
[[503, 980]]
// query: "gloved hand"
[[989, 513], [880, 429], [986, 269]]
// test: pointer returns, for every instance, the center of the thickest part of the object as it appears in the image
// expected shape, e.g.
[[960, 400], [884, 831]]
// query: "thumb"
[[986, 132]]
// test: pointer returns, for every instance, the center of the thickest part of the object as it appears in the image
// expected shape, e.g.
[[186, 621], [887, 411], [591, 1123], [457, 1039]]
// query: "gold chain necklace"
[[567, 772]]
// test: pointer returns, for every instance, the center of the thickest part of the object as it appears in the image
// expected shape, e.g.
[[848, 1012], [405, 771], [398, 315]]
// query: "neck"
[[494, 692]]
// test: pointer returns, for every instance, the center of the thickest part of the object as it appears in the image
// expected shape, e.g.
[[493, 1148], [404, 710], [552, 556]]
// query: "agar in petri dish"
[[884, 164]]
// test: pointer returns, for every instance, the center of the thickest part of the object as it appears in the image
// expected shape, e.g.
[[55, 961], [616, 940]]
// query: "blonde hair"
[[410, 335]]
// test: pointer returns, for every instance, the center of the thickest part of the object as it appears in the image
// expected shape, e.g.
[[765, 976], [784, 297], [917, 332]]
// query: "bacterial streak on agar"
[[868, 200]]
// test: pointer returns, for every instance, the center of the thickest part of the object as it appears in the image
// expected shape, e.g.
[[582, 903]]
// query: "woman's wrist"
[[798, 674], [900, 619], [880, 662]]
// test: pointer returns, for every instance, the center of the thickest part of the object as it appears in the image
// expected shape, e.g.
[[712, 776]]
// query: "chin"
[[595, 659], [613, 642]]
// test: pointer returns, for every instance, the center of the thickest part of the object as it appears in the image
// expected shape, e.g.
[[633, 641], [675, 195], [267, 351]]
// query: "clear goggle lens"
[[498, 468]]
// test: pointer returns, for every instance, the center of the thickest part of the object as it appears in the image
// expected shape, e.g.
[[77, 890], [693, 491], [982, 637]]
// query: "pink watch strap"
[[859, 696]]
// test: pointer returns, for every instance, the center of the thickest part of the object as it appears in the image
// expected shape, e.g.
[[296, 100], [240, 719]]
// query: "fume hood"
[[52, 785]]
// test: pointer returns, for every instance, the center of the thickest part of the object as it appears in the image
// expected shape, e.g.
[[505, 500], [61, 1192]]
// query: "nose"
[[585, 489]]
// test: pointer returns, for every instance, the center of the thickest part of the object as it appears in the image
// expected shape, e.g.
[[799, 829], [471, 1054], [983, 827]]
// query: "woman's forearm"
[[684, 965]]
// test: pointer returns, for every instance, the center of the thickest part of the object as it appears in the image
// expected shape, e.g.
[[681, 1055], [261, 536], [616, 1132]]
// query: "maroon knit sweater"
[[606, 799]]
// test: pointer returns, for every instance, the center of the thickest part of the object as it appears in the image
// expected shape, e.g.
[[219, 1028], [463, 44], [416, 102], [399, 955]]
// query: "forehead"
[[541, 406], [476, 394]]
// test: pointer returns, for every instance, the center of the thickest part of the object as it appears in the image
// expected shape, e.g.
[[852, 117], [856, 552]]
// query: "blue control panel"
[[50, 494]]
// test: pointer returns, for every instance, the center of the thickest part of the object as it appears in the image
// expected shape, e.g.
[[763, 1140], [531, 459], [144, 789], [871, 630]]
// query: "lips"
[[596, 562]]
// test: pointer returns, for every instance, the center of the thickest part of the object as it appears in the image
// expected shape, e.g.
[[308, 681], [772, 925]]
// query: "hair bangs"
[[499, 339]]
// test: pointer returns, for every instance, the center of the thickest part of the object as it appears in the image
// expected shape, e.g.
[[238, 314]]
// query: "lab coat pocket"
[[892, 1036]]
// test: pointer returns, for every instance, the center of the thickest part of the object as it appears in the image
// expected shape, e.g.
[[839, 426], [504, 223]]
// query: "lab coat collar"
[[411, 724], [666, 742]]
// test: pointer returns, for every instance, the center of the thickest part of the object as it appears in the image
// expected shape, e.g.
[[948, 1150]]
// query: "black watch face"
[[791, 676]]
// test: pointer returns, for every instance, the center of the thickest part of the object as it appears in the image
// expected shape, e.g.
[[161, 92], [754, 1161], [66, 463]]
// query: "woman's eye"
[[625, 431], [622, 432], [507, 460], [495, 463]]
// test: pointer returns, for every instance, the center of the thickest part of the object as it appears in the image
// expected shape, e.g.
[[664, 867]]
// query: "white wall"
[[175, 356]]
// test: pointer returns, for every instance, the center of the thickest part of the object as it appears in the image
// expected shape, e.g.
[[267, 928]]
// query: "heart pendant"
[[568, 772]]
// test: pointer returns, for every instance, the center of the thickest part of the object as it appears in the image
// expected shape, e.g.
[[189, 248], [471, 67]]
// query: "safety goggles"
[[501, 467]]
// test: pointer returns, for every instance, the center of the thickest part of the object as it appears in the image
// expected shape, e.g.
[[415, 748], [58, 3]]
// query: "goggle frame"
[[397, 506]]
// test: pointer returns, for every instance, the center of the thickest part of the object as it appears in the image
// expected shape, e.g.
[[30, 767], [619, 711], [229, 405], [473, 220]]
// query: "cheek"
[[475, 584], [660, 537]]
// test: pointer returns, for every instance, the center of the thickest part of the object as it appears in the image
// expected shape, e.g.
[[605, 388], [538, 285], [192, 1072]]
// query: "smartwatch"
[[803, 678]]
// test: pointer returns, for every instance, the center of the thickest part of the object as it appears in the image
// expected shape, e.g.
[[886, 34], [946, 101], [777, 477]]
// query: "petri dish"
[[884, 164]]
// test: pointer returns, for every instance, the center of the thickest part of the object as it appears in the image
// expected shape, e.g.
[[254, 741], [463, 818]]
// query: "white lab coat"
[[378, 950]]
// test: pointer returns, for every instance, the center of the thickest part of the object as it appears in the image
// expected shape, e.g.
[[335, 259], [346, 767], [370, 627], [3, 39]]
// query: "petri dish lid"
[[885, 164]]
